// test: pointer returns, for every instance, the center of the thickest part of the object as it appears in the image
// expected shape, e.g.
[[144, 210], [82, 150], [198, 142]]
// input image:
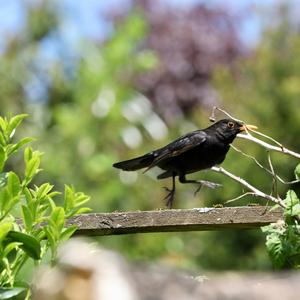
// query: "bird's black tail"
[[135, 163]]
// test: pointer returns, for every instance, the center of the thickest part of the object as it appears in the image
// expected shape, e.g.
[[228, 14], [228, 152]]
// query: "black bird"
[[195, 151]]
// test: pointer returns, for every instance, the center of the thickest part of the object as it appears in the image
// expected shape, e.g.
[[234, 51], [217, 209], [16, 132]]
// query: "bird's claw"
[[211, 185], [169, 197], [167, 190], [198, 189]]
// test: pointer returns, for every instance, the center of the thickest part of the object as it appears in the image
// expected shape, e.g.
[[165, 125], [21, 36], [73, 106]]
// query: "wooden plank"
[[196, 219]]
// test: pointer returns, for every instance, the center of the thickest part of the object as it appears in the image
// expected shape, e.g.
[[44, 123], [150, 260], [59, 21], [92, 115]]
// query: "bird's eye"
[[230, 124]]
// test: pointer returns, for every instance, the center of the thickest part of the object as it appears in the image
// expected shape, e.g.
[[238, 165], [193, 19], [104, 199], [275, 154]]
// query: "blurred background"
[[103, 81]]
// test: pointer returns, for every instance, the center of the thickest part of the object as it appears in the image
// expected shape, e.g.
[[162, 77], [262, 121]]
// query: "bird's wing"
[[179, 146]]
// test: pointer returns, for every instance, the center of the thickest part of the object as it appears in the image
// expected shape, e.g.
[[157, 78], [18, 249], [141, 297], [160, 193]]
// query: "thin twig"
[[288, 182], [265, 136], [269, 146], [249, 136], [250, 187], [251, 157], [274, 177], [263, 167], [212, 117], [239, 197]]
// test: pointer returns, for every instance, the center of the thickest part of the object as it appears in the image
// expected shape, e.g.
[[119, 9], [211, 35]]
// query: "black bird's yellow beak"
[[244, 127]]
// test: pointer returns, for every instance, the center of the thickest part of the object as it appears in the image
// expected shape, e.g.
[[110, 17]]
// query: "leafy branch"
[[31, 223]]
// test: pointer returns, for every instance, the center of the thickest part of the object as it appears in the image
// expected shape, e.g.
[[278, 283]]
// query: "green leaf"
[[295, 210], [43, 190], [27, 154], [41, 210], [9, 195], [297, 172], [275, 249], [14, 122], [68, 232], [266, 229], [13, 184], [11, 246], [291, 198], [5, 227], [52, 203], [4, 201], [81, 198], [69, 198], [8, 201], [12, 148], [27, 217], [292, 206], [51, 240], [83, 210], [2, 158], [76, 211], [58, 218], [73, 200], [40, 234], [2, 139], [3, 123], [53, 194], [10, 293], [30, 244], [28, 196], [32, 166]]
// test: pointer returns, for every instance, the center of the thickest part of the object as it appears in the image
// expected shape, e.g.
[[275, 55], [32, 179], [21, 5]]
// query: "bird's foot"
[[209, 184], [169, 197], [198, 189]]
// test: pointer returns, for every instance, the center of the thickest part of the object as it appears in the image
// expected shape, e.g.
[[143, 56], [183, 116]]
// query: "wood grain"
[[196, 219]]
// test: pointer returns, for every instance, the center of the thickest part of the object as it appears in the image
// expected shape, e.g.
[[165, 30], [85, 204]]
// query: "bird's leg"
[[200, 183], [171, 193]]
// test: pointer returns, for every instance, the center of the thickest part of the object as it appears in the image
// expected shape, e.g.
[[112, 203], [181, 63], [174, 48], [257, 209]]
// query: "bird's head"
[[227, 129]]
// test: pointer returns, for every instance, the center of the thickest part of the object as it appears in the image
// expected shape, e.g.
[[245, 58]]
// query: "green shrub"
[[283, 237], [31, 223]]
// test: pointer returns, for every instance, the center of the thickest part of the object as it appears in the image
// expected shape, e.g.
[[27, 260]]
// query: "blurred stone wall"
[[87, 272]]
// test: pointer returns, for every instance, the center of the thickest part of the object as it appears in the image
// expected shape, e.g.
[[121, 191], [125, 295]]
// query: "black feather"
[[136, 163]]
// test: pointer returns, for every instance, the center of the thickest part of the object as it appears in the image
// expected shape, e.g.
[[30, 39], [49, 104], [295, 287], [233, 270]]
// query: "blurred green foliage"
[[264, 89], [93, 118]]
